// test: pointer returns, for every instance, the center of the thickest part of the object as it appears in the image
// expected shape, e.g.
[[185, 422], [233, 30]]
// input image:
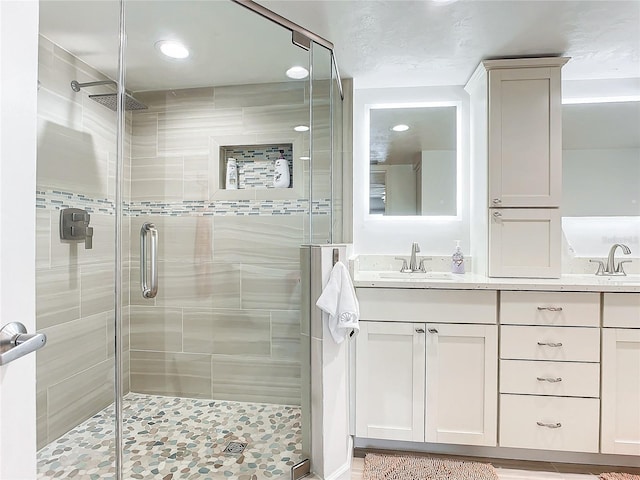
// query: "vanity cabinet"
[[525, 133], [550, 370], [390, 381], [426, 380], [620, 428], [516, 128], [524, 242]]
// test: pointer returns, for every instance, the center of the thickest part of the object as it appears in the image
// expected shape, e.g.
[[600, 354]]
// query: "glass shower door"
[[216, 163]]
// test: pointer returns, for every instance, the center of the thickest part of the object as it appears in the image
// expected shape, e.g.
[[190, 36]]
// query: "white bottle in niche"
[[281, 178], [457, 259], [231, 179]]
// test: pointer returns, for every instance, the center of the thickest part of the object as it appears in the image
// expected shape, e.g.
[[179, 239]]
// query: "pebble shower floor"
[[171, 438]]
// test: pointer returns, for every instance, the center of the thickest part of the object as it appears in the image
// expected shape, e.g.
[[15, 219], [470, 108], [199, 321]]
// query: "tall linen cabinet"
[[516, 145]]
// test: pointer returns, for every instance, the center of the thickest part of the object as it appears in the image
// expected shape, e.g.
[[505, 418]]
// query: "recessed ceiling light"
[[301, 128], [297, 72], [172, 49], [400, 128]]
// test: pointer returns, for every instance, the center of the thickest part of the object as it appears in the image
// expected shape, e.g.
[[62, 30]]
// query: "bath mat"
[[619, 476], [401, 467]]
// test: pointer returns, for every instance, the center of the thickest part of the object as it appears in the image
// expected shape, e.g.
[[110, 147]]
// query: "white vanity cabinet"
[[424, 371], [620, 428], [517, 132], [525, 132], [550, 370]]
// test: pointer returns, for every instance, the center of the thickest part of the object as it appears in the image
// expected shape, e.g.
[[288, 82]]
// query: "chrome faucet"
[[610, 268], [413, 261]]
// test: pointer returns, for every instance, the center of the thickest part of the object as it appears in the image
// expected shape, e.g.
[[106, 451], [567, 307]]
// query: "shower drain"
[[235, 448]]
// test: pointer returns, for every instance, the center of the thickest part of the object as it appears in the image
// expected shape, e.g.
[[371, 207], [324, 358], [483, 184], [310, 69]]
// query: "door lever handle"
[[15, 342]]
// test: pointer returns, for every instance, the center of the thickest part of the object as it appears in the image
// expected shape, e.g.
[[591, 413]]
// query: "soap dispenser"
[[457, 259]]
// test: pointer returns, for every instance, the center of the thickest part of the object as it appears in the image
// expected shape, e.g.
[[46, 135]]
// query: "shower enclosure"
[[176, 342]]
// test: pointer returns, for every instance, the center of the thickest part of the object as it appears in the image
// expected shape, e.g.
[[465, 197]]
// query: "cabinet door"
[[525, 137], [462, 375], [390, 379], [620, 427], [524, 242]]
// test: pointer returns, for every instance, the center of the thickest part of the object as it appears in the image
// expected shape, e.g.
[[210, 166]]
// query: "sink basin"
[[618, 279], [437, 276]]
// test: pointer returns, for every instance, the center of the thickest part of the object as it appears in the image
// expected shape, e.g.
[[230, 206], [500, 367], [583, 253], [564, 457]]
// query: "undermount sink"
[[439, 276], [618, 279]]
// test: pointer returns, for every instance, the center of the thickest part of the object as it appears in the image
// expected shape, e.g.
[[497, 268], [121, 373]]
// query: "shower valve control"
[[74, 226]]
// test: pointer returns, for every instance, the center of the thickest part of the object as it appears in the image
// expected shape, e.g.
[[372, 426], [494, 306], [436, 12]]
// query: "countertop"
[[470, 281]]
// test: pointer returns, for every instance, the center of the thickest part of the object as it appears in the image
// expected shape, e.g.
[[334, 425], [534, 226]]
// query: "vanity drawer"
[[563, 379], [621, 310], [550, 308], [568, 344], [568, 424], [434, 306]]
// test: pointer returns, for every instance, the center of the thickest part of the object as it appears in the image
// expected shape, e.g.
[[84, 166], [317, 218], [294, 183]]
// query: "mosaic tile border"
[[174, 438], [57, 200]]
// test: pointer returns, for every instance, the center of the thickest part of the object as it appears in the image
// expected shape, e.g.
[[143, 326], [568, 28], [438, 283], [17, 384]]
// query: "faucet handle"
[[600, 263], [620, 269], [404, 267], [422, 260]]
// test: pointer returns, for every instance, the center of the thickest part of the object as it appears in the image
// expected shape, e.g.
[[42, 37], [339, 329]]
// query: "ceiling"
[[378, 43]]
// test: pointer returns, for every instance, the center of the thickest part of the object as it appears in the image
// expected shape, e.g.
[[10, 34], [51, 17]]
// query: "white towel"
[[339, 301]]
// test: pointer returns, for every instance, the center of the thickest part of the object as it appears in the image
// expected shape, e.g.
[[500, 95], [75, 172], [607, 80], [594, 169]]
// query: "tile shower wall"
[[226, 321], [74, 286]]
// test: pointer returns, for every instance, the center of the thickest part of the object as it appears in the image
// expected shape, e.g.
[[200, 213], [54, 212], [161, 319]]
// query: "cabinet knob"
[[549, 379], [419, 330], [549, 425]]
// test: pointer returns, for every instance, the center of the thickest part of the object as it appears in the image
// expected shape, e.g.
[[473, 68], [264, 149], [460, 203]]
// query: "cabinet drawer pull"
[[497, 214], [497, 201], [433, 330], [549, 379], [549, 425], [550, 344], [551, 309], [419, 330]]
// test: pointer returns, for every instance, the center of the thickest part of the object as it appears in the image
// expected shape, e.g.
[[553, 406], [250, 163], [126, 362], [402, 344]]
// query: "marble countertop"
[[470, 281]]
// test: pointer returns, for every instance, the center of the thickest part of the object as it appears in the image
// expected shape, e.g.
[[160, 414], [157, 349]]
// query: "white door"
[[524, 242], [525, 137], [462, 384], [390, 381], [620, 429], [18, 83]]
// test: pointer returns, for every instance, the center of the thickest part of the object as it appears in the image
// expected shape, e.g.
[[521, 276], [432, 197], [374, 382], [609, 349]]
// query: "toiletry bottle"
[[281, 178], [457, 259], [231, 180]]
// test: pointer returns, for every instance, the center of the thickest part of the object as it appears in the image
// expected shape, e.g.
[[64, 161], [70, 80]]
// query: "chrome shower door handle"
[[15, 342], [149, 289]]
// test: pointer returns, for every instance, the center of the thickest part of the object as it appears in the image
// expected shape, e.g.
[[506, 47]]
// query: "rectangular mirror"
[[414, 159], [601, 159]]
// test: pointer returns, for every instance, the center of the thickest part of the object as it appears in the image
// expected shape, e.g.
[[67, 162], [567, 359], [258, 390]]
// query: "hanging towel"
[[339, 302]]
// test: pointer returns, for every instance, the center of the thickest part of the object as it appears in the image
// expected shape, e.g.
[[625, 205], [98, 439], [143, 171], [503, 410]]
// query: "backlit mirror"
[[601, 159], [413, 157]]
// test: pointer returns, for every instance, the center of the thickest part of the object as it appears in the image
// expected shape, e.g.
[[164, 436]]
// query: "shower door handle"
[[149, 289], [15, 342]]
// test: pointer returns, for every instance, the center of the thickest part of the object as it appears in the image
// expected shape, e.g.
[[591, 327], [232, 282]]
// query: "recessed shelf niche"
[[255, 164]]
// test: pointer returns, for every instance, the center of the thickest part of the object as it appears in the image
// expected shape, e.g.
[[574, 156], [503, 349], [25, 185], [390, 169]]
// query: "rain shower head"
[[109, 100]]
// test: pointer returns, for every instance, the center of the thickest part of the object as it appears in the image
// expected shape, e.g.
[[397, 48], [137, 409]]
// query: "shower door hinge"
[[301, 40]]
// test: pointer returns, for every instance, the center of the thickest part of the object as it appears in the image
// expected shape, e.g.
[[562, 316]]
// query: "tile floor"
[[171, 438]]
